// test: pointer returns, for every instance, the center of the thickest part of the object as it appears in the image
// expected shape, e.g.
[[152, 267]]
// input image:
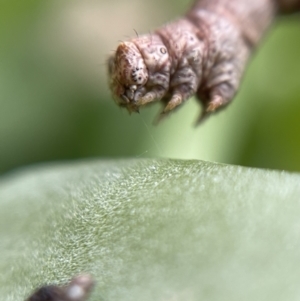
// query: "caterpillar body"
[[77, 290], [204, 53]]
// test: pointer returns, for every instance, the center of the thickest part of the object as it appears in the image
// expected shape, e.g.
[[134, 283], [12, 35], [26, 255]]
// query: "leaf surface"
[[152, 230]]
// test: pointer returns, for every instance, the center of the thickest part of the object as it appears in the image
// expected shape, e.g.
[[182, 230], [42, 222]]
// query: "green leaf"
[[152, 230]]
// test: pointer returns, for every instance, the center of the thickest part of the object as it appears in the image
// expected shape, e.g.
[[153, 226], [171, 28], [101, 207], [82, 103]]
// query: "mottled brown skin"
[[77, 290], [203, 53]]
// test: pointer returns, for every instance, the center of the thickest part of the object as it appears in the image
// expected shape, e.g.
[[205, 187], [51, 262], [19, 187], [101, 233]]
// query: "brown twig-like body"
[[77, 290], [203, 53]]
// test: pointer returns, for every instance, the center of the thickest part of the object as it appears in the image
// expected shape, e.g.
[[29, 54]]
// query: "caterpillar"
[[203, 53], [77, 290]]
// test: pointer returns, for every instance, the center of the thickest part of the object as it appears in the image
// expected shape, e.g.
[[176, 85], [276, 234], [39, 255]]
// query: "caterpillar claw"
[[175, 101], [215, 103], [212, 106]]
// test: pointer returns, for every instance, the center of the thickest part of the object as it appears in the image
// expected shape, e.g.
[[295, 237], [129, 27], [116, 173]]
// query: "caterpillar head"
[[136, 67], [128, 74]]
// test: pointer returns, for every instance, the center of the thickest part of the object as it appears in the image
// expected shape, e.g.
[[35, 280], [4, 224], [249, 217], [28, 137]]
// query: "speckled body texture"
[[204, 53]]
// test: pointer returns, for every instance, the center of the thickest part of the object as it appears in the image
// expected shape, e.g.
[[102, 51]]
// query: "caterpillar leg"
[[179, 95], [216, 102], [183, 86], [215, 99], [133, 100], [156, 94], [175, 101]]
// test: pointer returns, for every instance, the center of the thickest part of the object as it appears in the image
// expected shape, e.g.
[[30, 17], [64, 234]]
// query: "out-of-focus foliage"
[[272, 139], [55, 104]]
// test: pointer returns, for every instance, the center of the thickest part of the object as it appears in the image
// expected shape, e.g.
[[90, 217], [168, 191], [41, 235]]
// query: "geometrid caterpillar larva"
[[204, 53], [77, 290]]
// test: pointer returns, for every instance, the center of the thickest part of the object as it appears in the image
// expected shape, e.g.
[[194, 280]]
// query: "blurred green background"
[[55, 103]]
